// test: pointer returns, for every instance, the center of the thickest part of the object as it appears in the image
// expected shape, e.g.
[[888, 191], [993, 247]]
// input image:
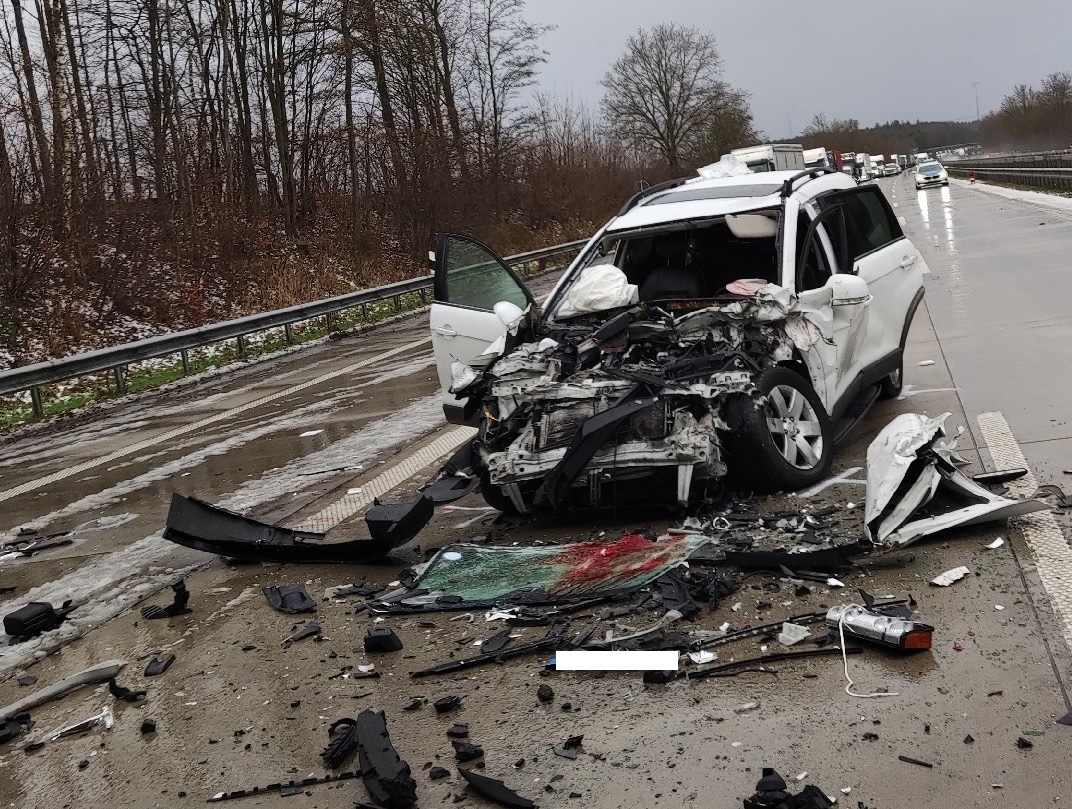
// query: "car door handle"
[[907, 262], [446, 331]]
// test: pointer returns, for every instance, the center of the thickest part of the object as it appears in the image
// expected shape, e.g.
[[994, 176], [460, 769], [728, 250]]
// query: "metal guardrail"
[[1051, 171], [116, 359]]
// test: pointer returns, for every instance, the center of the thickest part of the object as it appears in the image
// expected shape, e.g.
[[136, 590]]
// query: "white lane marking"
[[349, 504], [923, 266], [844, 477], [1053, 556], [909, 390], [185, 429]]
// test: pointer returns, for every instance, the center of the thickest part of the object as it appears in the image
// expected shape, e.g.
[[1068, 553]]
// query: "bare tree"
[[665, 94]]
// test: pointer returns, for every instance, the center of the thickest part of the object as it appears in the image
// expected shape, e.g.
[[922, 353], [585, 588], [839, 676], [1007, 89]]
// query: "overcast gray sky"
[[849, 59]]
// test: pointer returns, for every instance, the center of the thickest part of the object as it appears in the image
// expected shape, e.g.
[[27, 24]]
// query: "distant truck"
[[772, 156]]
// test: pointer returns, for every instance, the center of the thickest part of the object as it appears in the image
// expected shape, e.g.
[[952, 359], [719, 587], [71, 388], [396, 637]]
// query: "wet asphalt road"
[[992, 325]]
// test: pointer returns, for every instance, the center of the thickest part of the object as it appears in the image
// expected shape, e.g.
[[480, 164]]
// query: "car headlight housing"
[[942, 175]]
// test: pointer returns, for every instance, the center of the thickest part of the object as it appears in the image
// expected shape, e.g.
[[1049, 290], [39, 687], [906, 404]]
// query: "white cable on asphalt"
[[69, 471], [845, 660]]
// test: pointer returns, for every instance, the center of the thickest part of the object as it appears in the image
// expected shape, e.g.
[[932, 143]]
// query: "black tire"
[[762, 456], [495, 497], [890, 387]]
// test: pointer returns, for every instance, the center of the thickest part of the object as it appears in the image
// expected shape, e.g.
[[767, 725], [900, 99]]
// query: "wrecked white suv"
[[732, 325]]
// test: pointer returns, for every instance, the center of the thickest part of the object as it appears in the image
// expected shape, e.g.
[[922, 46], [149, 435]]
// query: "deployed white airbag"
[[597, 289]]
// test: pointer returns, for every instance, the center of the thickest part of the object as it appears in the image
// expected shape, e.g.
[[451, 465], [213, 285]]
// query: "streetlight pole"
[[975, 84]]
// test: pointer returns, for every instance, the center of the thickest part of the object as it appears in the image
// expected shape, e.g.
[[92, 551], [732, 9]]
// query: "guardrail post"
[[541, 265], [120, 373], [288, 333], [241, 345], [364, 311], [329, 321], [398, 302], [185, 362], [36, 403], [424, 296]]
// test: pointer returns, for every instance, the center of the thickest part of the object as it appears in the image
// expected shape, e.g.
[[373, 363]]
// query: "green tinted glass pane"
[[477, 278]]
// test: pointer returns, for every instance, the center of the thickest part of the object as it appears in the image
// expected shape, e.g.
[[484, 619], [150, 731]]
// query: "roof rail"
[[653, 189], [810, 174]]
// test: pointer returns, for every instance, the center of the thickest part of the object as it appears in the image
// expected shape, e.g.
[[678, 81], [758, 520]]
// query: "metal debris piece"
[[105, 717], [178, 606]]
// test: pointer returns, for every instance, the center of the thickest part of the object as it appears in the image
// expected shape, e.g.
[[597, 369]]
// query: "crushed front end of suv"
[[718, 328]]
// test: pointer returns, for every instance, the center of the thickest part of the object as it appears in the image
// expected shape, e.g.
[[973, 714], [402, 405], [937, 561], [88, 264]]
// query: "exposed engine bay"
[[630, 403]]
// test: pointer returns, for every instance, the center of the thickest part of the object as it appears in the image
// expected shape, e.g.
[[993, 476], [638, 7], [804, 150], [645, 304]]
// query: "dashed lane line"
[[408, 467], [186, 429], [1053, 556]]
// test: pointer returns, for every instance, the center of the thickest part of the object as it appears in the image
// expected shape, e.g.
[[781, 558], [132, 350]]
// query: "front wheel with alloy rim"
[[890, 386], [783, 440]]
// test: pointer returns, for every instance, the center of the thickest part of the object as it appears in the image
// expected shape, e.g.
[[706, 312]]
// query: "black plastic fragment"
[[343, 743], [277, 787], [545, 693], [659, 677], [415, 704], [495, 790], [999, 476], [438, 772], [395, 524], [35, 618], [496, 642], [158, 665], [1024, 744], [459, 730], [290, 598], [27, 679], [307, 630], [1066, 719], [969, 739], [445, 704], [916, 761], [382, 639], [452, 487], [196, 524], [148, 726], [773, 793], [14, 726], [124, 694], [178, 606], [465, 751], [387, 776], [799, 563]]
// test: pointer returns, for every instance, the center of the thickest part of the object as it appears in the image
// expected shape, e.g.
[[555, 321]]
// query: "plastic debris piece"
[[96, 674], [387, 776], [35, 618], [435, 773], [342, 737], [772, 792], [1024, 744], [736, 607], [496, 641], [290, 598], [832, 582], [999, 607], [148, 726], [445, 704], [395, 524], [305, 631], [105, 717], [28, 679], [802, 775], [158, 665], [701, 657], [495, 790], [792, 634], [969, 739], [465, 751], [545, 693], [125, 694], [382, 639], [950, 576], [459, 730], [748, 706], [656, 677], [178, 606], [925, 363], [415, 704], [916, 761], [277, 787], [997, 543]]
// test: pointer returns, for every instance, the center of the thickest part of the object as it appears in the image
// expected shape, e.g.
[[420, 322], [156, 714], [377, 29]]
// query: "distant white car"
[[713, 327], [892, 169], [931, 173]]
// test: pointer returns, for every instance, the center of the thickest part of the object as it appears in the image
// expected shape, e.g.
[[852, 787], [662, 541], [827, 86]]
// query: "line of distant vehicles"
[[859, 165]]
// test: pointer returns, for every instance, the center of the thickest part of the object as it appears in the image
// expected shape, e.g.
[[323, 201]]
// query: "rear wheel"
[[495, 497], [783, 442]]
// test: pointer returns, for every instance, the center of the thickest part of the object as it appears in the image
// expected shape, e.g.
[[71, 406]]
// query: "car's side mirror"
[[848, 290], [508, 313]]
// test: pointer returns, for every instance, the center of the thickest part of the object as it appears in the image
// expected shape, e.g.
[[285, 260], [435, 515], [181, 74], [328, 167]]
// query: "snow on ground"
[[1034, 197]]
